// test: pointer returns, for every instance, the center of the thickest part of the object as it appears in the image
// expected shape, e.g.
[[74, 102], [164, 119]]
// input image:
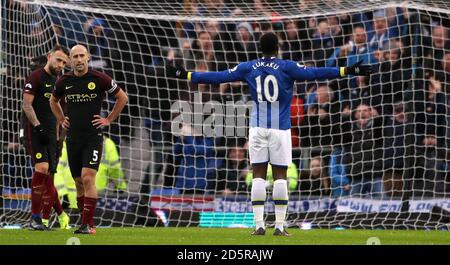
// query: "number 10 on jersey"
[[268, 79]]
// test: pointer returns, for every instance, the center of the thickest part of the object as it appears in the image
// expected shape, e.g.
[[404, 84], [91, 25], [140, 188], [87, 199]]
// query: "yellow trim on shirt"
[[342, 71], [189, 76]]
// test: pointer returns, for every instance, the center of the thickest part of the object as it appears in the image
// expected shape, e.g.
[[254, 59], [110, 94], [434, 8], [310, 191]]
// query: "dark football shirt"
[[84, 96], [41, 84]]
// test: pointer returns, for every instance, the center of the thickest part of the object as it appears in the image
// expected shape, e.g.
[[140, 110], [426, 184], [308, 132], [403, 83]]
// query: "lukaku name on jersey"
[[270, 81]]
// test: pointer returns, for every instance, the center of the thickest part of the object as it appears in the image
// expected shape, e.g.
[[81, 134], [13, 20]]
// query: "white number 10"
[[269, 78]]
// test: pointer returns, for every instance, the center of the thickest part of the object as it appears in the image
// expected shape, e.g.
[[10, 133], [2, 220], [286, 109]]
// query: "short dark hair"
[[265, 25], [359, 25], [269, 43], [62, 48], [202, 32]]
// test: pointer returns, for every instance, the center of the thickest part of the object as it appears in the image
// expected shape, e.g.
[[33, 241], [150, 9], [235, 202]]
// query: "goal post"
[[367, 152]]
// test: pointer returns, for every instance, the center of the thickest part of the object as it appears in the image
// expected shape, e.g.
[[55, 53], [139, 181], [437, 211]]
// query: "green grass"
[[221, 236]]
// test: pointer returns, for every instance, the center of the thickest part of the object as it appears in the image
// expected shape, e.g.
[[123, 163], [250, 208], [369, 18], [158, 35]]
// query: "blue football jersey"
[[271, 81]]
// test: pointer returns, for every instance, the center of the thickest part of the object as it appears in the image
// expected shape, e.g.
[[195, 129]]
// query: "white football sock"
[[258, 196], [280, 198]]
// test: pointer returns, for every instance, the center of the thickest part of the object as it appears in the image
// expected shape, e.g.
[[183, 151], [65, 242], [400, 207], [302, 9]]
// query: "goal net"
[[367, 152]]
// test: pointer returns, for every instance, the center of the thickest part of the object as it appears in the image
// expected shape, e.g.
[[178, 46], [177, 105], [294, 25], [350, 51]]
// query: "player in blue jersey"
[[271, 81]]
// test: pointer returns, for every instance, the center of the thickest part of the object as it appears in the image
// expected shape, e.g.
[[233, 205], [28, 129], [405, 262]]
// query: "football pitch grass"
[[223, 236]]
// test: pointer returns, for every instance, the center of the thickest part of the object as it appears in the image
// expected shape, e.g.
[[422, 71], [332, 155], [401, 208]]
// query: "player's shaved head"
[[79, 58], [269, 44], [78, 48], [60, 48]]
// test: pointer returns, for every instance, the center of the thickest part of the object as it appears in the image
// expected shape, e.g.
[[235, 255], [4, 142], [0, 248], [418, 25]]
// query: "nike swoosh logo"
[[92, 163], [47, 85], [67, 87]]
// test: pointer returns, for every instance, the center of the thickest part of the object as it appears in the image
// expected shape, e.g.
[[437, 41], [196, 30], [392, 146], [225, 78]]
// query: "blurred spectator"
[[355, 50], [363, 148], [231, 176], [435, 47], [261, 8], [340, 183], [444, 77], [439, 38], [314, 181], [277, 23], [245, 45], [440, 70], [291, 45], [304, 34], [430, 118], [195, 159], [310, 95], [316, 129], [358, 90], [426, 23], [292, 177], [395, 133], [323, 42], [362, 18], [201, 50], [99, 44], [396, 19], [336, 29], [430, 108], [261, 28], [221, 43], [381, 33], [306, 5], [38, 62], [297, 115], [213, 8], [206, 8], [393, 77], [62, 39], [190, 8]]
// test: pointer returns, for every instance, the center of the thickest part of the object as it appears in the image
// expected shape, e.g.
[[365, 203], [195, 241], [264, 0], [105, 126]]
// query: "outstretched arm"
[[213, 77], [230, 75], [301, 72]]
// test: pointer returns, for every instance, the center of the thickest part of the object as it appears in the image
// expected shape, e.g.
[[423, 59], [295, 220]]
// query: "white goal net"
[[367, 152]]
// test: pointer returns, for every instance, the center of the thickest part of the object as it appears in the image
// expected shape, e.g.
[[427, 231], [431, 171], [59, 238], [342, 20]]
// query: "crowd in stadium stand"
[[359, 126], [351, 136]]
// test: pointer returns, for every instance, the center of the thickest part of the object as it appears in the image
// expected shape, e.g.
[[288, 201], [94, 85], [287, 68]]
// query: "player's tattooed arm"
[[27, 107]]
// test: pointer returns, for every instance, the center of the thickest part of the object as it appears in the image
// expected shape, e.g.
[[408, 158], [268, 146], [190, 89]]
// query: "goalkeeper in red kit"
[[85, 90], [39, 134]]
